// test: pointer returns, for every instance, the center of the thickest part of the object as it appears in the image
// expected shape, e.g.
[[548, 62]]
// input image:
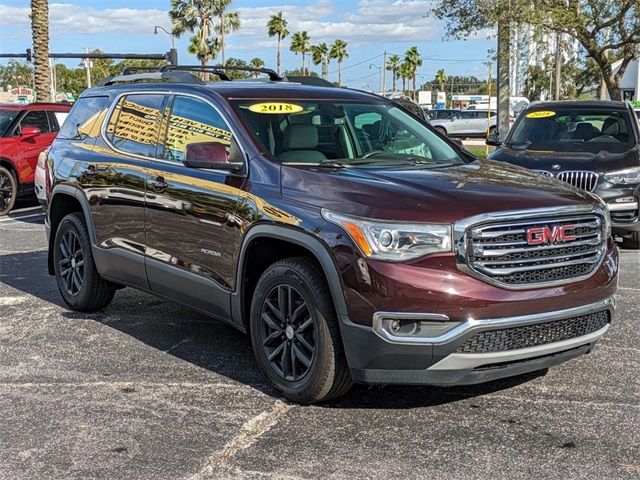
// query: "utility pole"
[[558, 65], [384, 72], [87, 67], [504, 40], [451, 100], [486, 147]]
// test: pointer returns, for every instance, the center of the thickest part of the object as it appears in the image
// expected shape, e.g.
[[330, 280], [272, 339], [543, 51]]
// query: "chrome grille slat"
[[582, 179], [499, 251]]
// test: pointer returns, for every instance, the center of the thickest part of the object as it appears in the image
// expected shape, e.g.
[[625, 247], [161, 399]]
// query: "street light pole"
[[173, 57], [381, 70]]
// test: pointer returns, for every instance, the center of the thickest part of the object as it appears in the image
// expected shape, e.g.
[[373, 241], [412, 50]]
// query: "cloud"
[[373, 21]]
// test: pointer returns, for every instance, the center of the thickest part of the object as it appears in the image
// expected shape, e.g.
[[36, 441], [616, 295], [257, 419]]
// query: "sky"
[[369, 26]]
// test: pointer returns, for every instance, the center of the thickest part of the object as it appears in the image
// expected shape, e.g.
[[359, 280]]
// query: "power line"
[[359, 63]]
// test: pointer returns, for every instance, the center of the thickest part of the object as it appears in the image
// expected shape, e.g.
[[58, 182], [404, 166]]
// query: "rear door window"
[[84, 119], [35, 118], [135, 124]]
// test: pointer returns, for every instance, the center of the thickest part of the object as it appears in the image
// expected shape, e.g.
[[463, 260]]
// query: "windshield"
[[325, 131], [574, 130], [6, 117]]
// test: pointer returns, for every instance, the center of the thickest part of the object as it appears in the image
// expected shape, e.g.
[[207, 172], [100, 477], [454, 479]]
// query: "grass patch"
[[478, 150]]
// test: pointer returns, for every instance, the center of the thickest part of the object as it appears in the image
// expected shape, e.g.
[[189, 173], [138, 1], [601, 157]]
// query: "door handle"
[[157, 184]]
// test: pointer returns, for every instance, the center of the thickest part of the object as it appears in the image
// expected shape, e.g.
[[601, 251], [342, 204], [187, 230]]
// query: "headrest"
[[300, 137], [612, 126]]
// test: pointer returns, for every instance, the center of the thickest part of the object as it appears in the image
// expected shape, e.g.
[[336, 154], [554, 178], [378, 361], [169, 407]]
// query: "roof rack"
[[311, 81], [181, 74], [171, 77], [219, 70]]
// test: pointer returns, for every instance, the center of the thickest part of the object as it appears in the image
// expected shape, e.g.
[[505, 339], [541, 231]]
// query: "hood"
[[600, 162], [409, 193]]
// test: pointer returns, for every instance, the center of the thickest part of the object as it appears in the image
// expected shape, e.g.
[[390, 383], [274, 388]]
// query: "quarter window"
[[193, 121], [84, 119], [134, 126]]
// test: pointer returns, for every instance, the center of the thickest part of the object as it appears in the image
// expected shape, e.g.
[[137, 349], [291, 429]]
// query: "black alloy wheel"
[[8, 191], [71, 262], [288, 332]]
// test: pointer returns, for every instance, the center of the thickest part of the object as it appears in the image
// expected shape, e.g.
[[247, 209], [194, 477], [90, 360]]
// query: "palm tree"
[[204, 49], [412, 57], [277, 26], [441, 78], [405, 72], [228, 22], [393, 64], [40, 33], [195, 16], [301, 43], [320, 56], [339, 52], [256, 63]]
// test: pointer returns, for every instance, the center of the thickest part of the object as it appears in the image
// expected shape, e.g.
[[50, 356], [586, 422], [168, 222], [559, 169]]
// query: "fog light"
[[413, 329], [395, 326]]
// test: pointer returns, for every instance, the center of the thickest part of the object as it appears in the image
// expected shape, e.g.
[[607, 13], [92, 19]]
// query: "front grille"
[[500, 252], [534, 335], [583, 180]]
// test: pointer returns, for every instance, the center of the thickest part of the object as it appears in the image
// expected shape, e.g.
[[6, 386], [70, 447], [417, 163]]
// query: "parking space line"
[[9, 219], [250, 432]]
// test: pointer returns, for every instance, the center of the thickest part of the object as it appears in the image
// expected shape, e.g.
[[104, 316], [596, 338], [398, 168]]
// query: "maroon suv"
[[348, 239]]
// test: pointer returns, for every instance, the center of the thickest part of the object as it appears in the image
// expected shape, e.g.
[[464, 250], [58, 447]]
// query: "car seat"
[[299, 144], [585, 131]]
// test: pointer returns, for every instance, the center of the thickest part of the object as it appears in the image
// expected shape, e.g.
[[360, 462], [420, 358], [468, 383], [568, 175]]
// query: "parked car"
[[592, 145], [351, 242], [467, 123], [25, 131], [439, 114]]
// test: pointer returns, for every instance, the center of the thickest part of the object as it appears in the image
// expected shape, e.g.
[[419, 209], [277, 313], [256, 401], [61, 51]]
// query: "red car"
[[25, 131]]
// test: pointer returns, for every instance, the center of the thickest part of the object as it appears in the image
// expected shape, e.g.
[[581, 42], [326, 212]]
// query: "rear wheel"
[[440, 130], [632, 242], [8, 190], [295, 333], [81, 286]]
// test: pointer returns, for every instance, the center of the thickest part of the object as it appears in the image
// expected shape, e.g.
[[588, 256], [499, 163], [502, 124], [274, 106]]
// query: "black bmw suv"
[[592, 145]]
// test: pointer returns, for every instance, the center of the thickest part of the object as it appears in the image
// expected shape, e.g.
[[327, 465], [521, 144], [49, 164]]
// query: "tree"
[[608, 30], [204, 49], [197, 17], [17, 74], [228, 22], [301, 44], [237, 74], [441, 78], [277, 27], [320, 56], [412, 58], [256, 63], [393, 64], [405, 71], [339, 53], [40, 33]]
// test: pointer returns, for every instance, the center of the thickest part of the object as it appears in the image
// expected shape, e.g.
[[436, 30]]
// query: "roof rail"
[[219, 70], [171, 77], [311, 81], [148, 68]]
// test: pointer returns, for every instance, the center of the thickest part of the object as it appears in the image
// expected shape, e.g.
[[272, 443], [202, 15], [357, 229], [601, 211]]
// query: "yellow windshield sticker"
[[541, 114], [275, 108]]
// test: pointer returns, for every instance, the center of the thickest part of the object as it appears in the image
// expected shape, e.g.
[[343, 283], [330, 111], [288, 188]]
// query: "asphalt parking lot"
[[150, 390]]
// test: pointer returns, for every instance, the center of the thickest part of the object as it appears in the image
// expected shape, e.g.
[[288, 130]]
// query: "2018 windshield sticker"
[[276, 108], [541, 114]]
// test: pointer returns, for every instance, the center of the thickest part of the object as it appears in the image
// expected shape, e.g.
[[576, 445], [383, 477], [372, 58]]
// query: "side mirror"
[[493, 139], [27, 133], [214, 155]]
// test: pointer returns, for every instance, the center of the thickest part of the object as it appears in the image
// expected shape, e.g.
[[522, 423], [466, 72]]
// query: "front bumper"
[[377, 357]]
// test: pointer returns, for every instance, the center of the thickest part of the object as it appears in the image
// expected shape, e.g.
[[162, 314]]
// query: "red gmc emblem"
[[540, 235]]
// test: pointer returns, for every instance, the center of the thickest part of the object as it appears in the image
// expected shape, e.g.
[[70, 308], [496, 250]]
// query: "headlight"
[[393, 241], [627, 176]]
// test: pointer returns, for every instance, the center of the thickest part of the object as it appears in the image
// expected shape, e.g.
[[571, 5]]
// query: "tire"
[[79, 282], [440, 130], [284, 329], [8, 191], [632, 242]]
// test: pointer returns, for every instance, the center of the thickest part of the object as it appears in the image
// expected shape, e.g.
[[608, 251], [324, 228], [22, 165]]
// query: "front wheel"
[[441, 131], [295, 333], [8, 191], [81, 286], [632, 242]]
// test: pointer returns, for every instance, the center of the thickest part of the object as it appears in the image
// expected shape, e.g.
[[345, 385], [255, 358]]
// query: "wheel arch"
[[280, 242], [9, 165], [64, 200]]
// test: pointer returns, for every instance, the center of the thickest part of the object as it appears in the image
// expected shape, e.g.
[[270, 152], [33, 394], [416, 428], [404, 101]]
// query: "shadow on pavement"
[[212, 345]]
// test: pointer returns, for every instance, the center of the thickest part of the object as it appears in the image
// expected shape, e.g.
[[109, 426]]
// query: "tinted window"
[[193, 121], [589, 130], [134, 126], [35, 118], [466, 115], [6, 117], [85, 118]]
